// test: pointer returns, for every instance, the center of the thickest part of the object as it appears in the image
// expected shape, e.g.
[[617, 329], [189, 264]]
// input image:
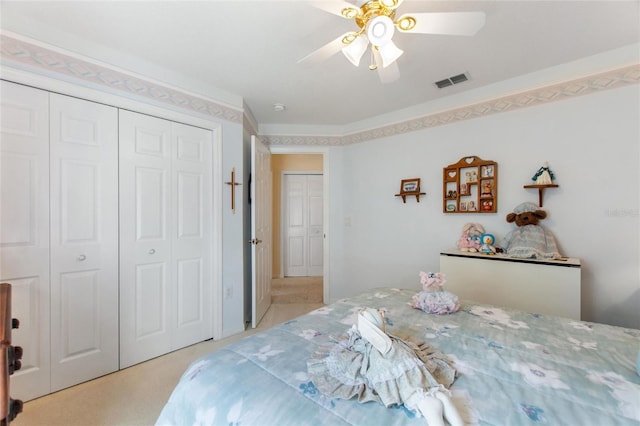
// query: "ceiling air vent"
[[456, 79]]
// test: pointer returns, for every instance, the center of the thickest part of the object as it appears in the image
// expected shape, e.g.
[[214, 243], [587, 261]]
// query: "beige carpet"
[[296, 290], [135, 396]]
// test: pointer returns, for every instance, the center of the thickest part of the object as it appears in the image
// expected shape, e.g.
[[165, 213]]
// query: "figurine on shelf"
[[471, 206], [544, 175], [487, 247], [470, 238], [487, 171], [487, 205], [486, 189]]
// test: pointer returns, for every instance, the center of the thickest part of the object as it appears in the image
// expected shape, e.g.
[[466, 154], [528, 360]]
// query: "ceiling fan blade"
[[325, 52], [448, 23], [334, 7], [389, 74]]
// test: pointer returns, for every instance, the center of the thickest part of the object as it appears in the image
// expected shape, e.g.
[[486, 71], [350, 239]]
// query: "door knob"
[[82, 257], [152, 251]]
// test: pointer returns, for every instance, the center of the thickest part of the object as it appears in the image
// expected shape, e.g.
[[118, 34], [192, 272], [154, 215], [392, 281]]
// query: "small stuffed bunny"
[[470, 238]]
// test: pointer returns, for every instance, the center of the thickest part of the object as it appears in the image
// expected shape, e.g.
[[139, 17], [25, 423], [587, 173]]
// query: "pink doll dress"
[[354, 368], [432, 299]]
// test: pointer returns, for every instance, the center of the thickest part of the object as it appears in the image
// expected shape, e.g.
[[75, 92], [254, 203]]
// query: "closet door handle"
[[82, 257], [152, 251]]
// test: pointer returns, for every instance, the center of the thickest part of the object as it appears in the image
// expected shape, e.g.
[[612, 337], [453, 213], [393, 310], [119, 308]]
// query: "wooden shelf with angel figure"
[[543, 179]]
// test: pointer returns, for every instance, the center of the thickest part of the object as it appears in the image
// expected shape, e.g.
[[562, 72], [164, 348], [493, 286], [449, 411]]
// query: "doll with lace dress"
[[372, 365], [433, 299]]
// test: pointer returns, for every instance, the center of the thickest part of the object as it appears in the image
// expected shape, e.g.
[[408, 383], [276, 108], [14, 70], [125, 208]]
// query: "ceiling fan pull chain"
[[373, 65]]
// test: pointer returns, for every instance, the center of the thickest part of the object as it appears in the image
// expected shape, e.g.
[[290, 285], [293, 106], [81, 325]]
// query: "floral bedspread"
[[514, 368]]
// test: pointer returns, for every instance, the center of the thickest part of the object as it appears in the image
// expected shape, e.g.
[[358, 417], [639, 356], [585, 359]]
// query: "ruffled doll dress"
[[354, 368], [435, 302]]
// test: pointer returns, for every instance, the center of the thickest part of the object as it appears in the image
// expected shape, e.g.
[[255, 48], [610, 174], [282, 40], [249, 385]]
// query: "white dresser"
[[550, 287]]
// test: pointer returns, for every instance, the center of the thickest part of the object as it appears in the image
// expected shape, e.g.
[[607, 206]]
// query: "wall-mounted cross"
[[233, 185]]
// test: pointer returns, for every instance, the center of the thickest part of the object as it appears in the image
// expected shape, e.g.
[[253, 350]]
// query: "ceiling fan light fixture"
[[354, 50], [389, 52], [350, 12], [390, 4], [406, 23], [380, 30]]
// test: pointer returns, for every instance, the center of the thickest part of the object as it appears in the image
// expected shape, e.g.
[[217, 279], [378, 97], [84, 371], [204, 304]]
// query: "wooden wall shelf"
[[470, 186], [541, 189], [404, 195]]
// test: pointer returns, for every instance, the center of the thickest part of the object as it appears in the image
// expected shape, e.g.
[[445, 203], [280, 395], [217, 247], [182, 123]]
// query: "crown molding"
[[613, 79], [38, 58]]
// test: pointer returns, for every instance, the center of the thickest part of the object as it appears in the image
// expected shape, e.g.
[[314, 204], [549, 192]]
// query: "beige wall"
[[280, 163]]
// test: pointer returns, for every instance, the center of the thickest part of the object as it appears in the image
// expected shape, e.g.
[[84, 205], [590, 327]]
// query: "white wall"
[[592, 145], [232, 232]]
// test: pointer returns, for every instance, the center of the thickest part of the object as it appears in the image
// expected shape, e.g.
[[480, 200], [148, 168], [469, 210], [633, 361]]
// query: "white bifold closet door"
[[84, 240], [59, 242], [24, 230], [165, 236]]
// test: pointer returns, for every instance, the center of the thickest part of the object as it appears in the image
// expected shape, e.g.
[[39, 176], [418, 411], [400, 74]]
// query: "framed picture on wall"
[[410, 185]]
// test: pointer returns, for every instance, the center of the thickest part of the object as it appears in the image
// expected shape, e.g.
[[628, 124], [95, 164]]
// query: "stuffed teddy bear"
[[470, 238], [529, 240]]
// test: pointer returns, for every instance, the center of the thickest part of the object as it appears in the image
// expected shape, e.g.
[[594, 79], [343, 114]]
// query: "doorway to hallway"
[[293, 163]]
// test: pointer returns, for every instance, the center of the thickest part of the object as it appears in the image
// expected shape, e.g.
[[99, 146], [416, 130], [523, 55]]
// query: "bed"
[[514, 368]]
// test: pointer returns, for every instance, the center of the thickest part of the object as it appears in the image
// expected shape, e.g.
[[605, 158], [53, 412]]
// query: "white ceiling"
[[239, 50]]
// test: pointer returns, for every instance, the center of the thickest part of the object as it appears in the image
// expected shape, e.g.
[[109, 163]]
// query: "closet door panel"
[[150, 301], [18, 220], [84, 240], [191, 171], [24, 229], [152, 251], [145, 238], [79, 314]]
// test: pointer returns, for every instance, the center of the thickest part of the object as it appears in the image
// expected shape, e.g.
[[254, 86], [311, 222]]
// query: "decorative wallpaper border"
[[569, 89], [44, 59], [34, 56]]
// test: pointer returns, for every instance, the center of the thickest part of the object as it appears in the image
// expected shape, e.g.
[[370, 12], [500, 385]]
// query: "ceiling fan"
[[377, 21]]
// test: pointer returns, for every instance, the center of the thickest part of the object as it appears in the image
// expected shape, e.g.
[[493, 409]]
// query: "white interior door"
[[145, 237], [315, 261], [24, 229], [303, 225], [260, 230], [84, 240]]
